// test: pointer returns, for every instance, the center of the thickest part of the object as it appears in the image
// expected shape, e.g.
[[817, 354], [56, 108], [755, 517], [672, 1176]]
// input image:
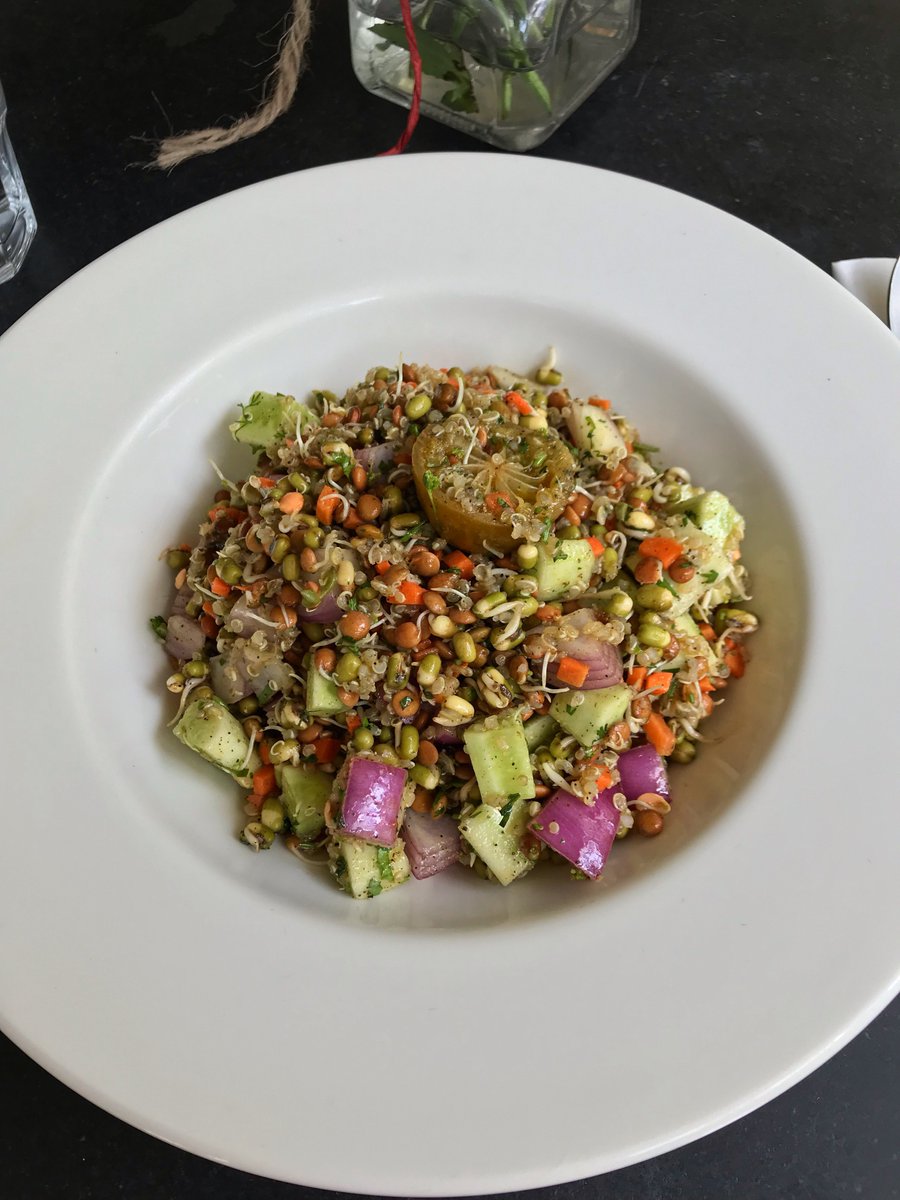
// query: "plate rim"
[[505, 1179]]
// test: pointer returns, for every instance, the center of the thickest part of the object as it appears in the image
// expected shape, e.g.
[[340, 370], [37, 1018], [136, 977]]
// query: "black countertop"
[[784, 112]]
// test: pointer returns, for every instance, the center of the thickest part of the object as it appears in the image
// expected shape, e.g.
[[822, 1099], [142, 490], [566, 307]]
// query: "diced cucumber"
[[587, 720], [717, 517], [500, 758], [563, 569], [497, 842], [263, 419], [539, 731], [364, 870], [686, 627], [592, 429], [207, 727], [304, 792], [710, 562], [322, 698]]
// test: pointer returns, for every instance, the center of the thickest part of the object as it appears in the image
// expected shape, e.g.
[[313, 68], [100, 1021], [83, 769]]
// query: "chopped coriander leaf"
[[506, 811], [709, 576], [160, 627], [374, 888], [383, 858]]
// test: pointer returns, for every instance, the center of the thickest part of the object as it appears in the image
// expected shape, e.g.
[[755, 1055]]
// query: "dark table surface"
[[784, 112]]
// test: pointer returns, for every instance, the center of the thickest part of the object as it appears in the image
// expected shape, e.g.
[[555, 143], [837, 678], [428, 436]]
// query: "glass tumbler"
[[17, 223]]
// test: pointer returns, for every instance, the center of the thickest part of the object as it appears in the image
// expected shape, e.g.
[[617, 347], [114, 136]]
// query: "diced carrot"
[[266, 482], [219, 586], [264, 752], [498, 502], [666, 549], [708, 705], [658, 682], [734, 661], [403, 457], [706, 684], [327, 749], [209, 626], [517, 401], [596, 545], [264, 780], [548, 612], [208, 608], [708, 632], [599, 402], [636, 677], [383, 567], [411, 592], [571, 671], [460, 562], [352, 519], [185, 547], [604, 780], [659, 734], [292, 502], [353, 723]]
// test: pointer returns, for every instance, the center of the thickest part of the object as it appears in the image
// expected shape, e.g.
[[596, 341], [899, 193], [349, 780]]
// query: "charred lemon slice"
[[489, 486]]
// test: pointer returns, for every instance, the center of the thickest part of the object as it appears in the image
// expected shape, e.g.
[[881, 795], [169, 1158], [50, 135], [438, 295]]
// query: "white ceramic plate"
[[449, 1037]]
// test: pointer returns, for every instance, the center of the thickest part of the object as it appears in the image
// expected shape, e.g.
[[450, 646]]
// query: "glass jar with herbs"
[[507, 71]]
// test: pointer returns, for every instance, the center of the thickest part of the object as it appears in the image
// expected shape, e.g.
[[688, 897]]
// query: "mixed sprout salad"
[[452, 618]]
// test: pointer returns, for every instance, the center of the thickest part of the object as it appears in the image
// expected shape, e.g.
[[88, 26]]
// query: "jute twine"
[[278, 93]]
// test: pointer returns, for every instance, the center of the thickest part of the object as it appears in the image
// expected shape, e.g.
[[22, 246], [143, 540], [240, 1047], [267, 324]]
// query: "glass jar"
[[507, 71]]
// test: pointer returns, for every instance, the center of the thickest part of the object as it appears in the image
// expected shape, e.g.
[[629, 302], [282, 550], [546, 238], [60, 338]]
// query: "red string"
[[415, 59]]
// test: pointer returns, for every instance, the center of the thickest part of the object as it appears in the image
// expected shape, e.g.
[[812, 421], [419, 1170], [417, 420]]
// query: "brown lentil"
[[434, 602], [443, 579], [408, 635], [571, 515], [394, 575], [424, 563], [369, 531], [368, 507], [427, 754], [354, 625], [445, 396], [358, 477], [325, 659], [462, 616], [308, 559], [558, 400], [331, 419], [641, 708], [310, 733], [348, 698], [648, 823], [682, 571]]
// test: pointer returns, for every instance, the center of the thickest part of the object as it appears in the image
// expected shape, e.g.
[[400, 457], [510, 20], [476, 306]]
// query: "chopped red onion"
[[602, 658], [372, 798], [250, 619], [642, 770], [373, 457], [326, 611], [432, 844], [582, 833], [184, 637]]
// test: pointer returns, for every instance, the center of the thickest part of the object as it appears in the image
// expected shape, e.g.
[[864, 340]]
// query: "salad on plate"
[[452, 619]]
